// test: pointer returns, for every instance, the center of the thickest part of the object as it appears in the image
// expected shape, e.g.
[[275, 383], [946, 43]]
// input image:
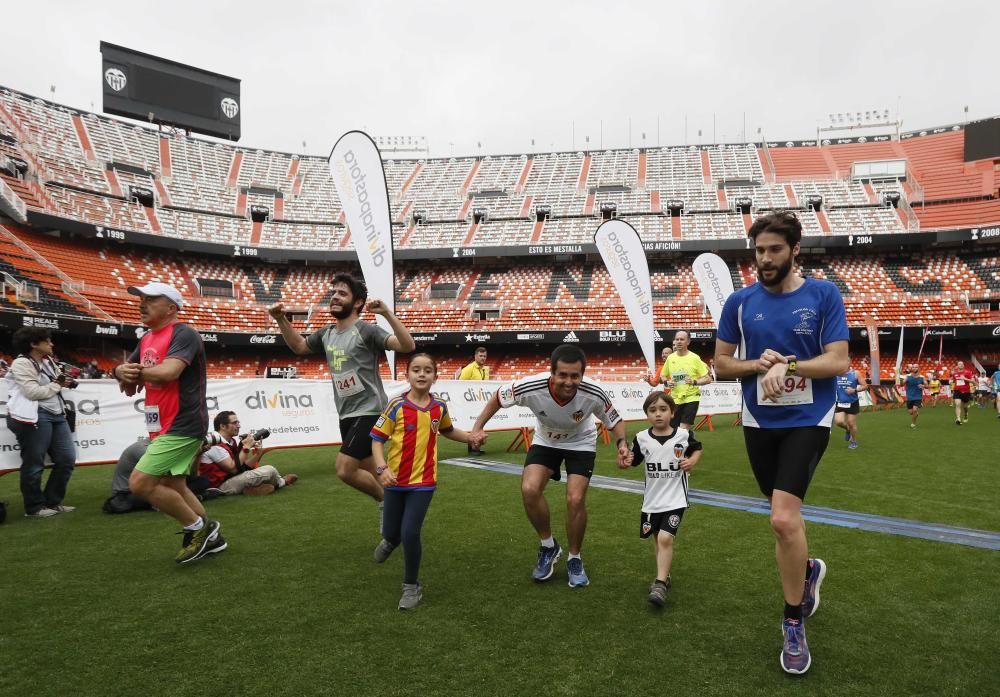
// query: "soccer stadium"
[[152, 193]]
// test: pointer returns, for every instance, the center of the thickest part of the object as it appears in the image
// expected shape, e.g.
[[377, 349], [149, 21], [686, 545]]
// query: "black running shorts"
[[962, 396], [785, 458], [685, 414], [355, 433], [577, 461], [851, 408], [914, 403], [666, 521]]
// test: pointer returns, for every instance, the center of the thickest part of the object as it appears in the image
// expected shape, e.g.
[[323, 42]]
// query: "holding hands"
[[624, 454], [477, 439]]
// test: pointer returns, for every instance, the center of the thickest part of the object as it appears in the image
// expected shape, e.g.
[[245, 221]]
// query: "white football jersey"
[[568, 426], [666, 482]]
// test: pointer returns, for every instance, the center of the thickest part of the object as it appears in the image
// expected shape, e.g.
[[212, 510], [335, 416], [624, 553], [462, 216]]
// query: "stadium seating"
[[83, 164], [928, 288]]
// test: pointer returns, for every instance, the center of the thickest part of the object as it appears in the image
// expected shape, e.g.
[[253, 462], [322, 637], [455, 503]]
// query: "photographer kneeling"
[[37, 418], [233, 467]]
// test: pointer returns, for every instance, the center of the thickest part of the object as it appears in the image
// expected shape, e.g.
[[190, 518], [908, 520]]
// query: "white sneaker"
[[59, 508], [42, 513]]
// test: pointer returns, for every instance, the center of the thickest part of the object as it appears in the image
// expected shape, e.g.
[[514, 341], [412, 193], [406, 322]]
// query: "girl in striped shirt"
[[404, 446]]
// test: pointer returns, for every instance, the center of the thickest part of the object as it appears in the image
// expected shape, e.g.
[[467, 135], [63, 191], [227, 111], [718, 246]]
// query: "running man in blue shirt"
[[791, 334], [848, 406], [995, 388], [914, 382]]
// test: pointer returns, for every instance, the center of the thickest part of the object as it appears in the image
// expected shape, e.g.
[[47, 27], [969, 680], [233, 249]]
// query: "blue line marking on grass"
[[868, 522]]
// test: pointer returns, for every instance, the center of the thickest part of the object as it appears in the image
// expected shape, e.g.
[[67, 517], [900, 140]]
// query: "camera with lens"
[[68, 375], [213, 438], [258, 435]]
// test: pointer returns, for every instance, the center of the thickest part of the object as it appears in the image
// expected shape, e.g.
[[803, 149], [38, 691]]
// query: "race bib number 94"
[[795, 390]]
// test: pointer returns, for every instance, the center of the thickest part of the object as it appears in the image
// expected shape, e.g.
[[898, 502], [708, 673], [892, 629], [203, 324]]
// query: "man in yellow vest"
[[683, 374], [477, 370]]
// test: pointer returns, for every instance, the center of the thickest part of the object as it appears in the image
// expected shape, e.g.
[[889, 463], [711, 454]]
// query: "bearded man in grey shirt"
[[352, 348]]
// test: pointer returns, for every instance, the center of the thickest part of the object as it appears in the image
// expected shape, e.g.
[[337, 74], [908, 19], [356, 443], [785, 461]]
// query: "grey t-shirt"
[[353, 358]]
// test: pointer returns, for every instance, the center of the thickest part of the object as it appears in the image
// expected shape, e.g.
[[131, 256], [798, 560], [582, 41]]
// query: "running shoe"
[[814, 579], [546, 564], [795, 656], [193, 544], [853, 445], [658, 592], [577, 576], [216, 544], [383, 550], [413, 593]]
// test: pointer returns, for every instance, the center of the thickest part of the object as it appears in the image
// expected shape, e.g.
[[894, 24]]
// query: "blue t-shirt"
[[913, 391], [848, 379], [996, 381], [799, 323]]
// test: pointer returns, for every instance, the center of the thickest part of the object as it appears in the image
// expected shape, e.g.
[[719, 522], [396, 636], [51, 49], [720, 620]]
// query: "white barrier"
[[301, 412]]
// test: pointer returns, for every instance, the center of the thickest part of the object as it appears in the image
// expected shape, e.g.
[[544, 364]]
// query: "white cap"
[[157, 288]]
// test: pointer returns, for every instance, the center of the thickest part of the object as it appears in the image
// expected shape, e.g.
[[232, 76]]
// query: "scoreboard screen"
[[982, 140], [140, 86]]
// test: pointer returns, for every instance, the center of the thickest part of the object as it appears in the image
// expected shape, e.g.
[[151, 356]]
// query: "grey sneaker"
[[383, 550], [42, 513], [413, 593], [59, 508], [658, 592]]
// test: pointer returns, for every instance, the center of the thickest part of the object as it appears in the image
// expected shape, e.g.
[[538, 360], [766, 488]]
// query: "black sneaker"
[[194, 543], [216, 544]]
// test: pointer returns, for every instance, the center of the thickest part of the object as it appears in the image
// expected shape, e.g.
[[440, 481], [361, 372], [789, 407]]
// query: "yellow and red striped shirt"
[[412, 432]]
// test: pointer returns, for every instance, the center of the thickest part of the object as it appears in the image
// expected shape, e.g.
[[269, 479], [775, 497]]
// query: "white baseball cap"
[[157, 288]]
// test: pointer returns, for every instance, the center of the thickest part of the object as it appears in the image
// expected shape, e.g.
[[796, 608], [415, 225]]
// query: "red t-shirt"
[[963, 380], [176, 408]]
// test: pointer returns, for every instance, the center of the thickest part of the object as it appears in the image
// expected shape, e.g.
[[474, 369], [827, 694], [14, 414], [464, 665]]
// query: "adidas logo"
[[571, 338]]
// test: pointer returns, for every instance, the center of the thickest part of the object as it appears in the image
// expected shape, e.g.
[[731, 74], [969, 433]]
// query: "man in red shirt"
[[962, 381], [169, 364]]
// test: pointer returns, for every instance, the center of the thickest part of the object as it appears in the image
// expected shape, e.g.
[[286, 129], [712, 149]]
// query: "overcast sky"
[[504, 73]]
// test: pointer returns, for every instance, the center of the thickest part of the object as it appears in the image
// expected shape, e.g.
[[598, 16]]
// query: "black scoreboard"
[[982, 140], [149, 88]]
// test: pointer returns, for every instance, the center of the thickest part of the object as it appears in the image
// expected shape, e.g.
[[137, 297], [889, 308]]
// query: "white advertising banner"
[[302, 413], [356, 167], [623, 255], [714, 281]]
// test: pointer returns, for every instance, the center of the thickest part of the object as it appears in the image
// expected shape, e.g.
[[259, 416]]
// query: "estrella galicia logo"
[[115, 78], [229, 107]]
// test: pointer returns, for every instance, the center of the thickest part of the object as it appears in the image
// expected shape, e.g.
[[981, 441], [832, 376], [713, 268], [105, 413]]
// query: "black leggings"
[[402, 517]]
